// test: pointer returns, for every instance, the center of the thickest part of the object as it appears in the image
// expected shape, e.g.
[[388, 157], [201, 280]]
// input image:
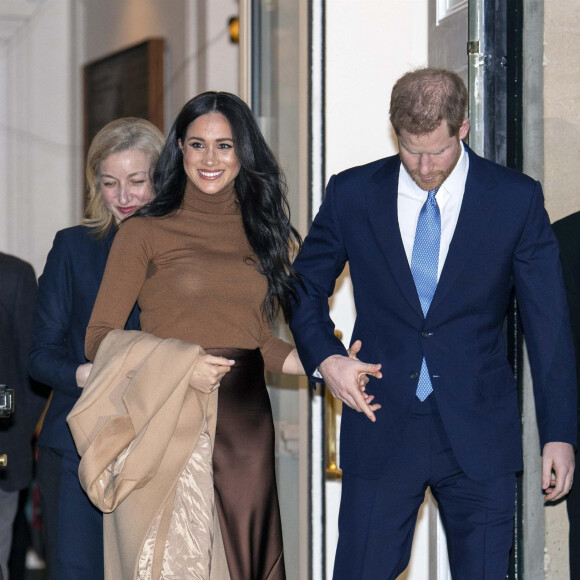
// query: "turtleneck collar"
[[225, 202]]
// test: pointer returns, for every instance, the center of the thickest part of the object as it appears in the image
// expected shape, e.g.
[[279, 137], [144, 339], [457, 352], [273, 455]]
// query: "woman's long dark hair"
[[260, 188]]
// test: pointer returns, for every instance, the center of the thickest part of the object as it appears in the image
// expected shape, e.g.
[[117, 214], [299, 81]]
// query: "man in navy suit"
[[567, 232], [18, 291], [436, 238]]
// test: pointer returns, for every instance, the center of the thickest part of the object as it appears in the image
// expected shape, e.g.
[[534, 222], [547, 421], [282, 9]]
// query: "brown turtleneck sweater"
[[192, 275]]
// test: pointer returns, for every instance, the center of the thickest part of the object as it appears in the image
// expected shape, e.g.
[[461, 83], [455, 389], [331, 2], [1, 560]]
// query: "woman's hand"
[[82, 374], [209, 371]]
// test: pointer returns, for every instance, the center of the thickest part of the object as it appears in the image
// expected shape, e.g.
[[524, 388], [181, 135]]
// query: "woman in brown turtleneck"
[[209, 263]]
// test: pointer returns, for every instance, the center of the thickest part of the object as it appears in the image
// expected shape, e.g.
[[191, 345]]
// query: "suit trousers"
[[8, 508], [378, 516], [573, 507], [73, 526]]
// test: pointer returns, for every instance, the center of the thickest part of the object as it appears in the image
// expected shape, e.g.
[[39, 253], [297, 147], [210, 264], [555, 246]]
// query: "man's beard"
[[440, 176]]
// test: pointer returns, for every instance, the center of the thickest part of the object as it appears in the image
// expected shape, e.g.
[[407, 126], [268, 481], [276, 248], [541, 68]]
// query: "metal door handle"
[[330, 451], [332, 470]]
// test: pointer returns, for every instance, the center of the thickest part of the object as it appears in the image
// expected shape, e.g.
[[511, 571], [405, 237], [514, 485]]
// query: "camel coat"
[[136, 426]]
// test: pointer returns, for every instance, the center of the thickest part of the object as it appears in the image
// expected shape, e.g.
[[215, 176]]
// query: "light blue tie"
[[424, 264]]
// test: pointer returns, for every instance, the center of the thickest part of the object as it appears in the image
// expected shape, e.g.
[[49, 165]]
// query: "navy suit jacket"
[[67, 291], [503, 239], [567, 232], [17, 297]]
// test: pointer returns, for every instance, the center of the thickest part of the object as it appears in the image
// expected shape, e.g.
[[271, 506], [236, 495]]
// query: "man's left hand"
[[557, 459]]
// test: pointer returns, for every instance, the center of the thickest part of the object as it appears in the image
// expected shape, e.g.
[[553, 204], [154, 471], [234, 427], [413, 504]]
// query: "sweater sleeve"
[[123, 279], [274, 350]]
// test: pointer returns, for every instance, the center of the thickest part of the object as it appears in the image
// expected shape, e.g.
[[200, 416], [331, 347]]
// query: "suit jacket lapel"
[[383, 217], [468, 231]]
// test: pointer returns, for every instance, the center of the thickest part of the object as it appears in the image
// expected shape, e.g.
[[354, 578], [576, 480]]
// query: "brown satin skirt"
[[244, 476]]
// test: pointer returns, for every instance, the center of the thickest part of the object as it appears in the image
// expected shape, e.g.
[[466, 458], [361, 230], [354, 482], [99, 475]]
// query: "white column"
[[40, 192]]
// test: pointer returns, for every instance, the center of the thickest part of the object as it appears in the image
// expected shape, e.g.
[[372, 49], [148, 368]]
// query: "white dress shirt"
[[411, 199]]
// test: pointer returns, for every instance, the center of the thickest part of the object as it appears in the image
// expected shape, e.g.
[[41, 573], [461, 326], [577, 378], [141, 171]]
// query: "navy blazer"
[[67, 291], [502, 239], [17, 297], [567, 232]]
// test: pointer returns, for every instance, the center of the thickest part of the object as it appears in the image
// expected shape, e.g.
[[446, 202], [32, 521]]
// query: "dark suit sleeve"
[[17, 297], [50, 362], [23, 317], [546, 324], [23, 314], [568, 234], [571, 273], [319, 264]]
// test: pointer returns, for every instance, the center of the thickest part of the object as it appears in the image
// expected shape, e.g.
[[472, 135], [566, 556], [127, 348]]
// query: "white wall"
[[4, 132], [221, 54], [40, 143], [561, 107], [369, 44]]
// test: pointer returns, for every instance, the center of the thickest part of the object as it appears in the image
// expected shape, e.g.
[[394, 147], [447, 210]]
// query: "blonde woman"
[[119, 169]]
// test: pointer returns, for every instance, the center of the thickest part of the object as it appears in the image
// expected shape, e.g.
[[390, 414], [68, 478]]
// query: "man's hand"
[[363, 378], [354, 349], [345, 376], [557, 459]]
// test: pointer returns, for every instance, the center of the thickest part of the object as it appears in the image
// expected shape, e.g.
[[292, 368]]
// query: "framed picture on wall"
[[127, 83]]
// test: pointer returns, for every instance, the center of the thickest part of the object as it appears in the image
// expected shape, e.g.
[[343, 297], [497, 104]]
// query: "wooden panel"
[[128, 83]]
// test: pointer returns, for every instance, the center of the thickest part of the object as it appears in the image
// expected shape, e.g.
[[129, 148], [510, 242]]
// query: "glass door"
[[275, 92]]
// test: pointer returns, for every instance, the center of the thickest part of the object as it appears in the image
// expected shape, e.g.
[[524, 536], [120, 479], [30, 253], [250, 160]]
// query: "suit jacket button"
[[426, 334], [414, 376]]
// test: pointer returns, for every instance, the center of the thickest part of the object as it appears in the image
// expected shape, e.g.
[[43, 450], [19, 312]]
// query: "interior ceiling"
[[13, 14]]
